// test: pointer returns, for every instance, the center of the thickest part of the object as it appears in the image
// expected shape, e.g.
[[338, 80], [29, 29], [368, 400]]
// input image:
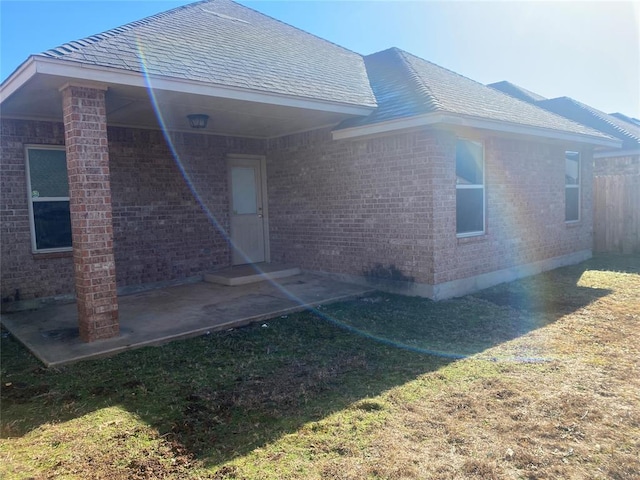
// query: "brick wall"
[[525, 212], [335, 206], [161, 229], [347, 206], [39, 275], [629, 165], [344, 206], [162, 225]]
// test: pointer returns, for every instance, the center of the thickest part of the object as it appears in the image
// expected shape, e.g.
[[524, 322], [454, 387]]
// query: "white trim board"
[[615, 153], [456, 120], [94, 73]]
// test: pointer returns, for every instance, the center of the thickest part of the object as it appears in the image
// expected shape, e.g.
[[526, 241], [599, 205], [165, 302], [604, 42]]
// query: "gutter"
[[457, 120], [616, 153]]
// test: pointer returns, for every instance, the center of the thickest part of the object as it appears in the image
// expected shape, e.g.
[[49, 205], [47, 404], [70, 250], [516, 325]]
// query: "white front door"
[[248, 227]]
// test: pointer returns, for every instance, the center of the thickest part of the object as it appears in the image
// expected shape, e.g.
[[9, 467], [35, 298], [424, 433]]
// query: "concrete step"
[[256, 272]]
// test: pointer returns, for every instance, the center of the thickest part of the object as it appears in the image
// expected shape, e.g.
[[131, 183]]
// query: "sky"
[[589, 51]]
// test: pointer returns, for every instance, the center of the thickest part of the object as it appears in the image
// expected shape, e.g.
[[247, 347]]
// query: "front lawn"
[[538, 378]]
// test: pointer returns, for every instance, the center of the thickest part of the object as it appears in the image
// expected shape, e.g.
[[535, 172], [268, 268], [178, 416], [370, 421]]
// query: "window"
[[48, 198], [572, 186], [469, 188]]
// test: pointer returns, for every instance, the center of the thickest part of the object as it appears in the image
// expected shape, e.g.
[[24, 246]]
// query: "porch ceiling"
[[39, 98]]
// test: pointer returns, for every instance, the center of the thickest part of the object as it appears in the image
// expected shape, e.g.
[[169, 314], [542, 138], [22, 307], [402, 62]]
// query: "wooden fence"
[[616, 213]]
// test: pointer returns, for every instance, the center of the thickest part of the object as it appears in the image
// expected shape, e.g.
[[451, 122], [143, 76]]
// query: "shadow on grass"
[[549, 294], [557, 292], [220, 396], [612, 262], [217, 396]]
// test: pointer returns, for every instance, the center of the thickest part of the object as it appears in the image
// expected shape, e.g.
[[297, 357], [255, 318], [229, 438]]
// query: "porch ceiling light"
[[198, 120]]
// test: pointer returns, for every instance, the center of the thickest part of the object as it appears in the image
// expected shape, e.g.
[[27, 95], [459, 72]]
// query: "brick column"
[[85, 126]]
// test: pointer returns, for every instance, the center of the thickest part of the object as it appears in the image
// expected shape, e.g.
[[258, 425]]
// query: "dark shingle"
[[517, 91], [406, 85], [399, 94], [586, 115], [616, 125], [626, 118], [223, 43]]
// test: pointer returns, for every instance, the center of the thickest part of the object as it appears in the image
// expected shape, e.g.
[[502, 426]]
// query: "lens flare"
[[316, 310]]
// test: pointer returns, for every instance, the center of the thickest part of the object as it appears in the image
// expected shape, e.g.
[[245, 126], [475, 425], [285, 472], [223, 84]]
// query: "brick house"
[[616, 170], [385, 168], [622, 160]]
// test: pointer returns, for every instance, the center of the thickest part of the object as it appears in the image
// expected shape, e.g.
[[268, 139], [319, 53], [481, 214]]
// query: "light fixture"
[[198, 120]]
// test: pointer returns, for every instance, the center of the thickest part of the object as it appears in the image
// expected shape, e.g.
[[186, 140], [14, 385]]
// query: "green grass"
[[371, 388]]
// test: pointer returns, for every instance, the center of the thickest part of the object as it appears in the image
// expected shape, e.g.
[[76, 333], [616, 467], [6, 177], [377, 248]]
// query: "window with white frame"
[[572, 186], [469, 188], [48, 198]]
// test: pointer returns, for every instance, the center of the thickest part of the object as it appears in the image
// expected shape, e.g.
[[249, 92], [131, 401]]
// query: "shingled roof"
[[516, 91], [245, 55], [626, 118], [616, 124], [406, 85], [220, 42], [592, 117]]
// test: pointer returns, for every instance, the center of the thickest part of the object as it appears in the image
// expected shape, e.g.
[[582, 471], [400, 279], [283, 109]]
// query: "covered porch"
[[158, 316], [151, 196]]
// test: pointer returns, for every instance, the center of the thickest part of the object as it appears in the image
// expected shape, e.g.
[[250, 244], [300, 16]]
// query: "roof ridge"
[[296, 28], [607, 118], [601, 116], [460, 75], [533, 96], [489, 89], [632, 120], [415, 78], [443, 68], [70, 46]]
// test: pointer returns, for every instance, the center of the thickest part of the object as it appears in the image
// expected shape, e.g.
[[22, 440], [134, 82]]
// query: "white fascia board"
[[530, 130], [616, 153], [18, 78], [473, 122], [385, 127], [106, 75]]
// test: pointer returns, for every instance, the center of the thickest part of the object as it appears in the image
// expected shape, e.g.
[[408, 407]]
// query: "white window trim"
[[31, 200], [484, 195], [578, 186]]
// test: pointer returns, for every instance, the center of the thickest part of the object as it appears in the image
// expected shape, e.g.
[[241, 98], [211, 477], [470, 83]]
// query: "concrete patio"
[[157, 316]]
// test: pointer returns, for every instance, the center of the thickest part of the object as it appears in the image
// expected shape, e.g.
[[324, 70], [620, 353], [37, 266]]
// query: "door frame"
[[265, 198]]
